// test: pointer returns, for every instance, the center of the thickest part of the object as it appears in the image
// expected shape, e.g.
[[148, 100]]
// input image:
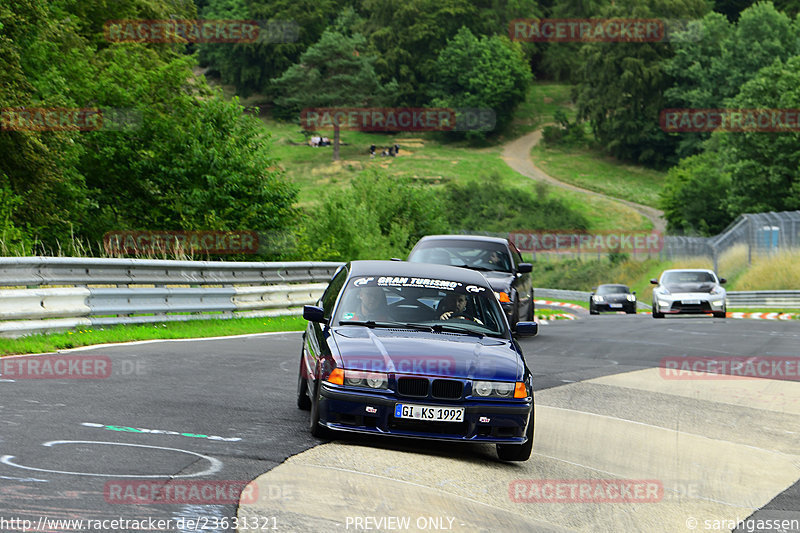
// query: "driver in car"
[[455, 306]]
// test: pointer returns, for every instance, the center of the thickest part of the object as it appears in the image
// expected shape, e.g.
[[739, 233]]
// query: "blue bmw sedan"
[[416, 350]]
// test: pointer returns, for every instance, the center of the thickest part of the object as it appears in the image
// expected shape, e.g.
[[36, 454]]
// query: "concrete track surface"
[[640, 449]]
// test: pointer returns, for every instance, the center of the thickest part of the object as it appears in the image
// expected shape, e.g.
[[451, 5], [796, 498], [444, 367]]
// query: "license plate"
[[692, 302], [427, 412], [615, 305]]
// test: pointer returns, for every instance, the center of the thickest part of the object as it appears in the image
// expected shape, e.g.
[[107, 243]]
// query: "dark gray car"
[[497, 259]]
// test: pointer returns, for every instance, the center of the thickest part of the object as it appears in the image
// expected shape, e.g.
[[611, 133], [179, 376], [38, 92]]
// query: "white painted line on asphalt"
[[216, 464]]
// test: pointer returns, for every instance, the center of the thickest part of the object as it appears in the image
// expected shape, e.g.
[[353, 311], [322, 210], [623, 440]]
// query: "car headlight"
[[718, 303], [503, 297], [717, 290], [373, 380], [597, 298], [664, 290], [500, 389], [630, 297]]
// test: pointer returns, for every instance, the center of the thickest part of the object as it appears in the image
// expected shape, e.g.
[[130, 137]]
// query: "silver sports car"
[[688, 291]]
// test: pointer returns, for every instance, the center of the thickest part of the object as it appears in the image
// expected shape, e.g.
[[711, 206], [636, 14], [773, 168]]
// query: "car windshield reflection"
[[450, 307]]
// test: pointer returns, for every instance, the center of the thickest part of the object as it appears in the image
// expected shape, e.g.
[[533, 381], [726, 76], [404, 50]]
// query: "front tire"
[[518, 452], [303, 401], [317, 430], [656, 314], [721, 314]]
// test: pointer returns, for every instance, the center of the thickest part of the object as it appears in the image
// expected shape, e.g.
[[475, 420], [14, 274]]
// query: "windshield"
[[472, 254], [612, 289], [399, 300], [677, 278]]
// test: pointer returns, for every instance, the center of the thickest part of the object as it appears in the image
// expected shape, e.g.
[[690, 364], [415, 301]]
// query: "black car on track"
[[496, 258], [612, 297]]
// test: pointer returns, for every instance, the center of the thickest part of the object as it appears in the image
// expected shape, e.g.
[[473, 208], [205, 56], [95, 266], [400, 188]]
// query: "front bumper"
[[484, 421], [614, 306], [691, 303]]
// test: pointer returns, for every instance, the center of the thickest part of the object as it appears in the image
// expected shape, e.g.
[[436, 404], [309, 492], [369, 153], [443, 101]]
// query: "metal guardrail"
[[78, 271], [735, 299], [239, 290], [764, 299]]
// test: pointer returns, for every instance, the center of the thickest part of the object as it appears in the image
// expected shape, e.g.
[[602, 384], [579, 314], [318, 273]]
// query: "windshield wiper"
[[373, 324], [456, 329]]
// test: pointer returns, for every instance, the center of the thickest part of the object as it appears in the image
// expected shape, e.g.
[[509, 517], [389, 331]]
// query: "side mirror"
[[527, 329], [524, 268], [312, 313], [654, 281], [722, 280], [633, 292]]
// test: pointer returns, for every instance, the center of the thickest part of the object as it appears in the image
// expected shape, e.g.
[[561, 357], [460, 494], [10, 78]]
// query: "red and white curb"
[[559, 304], [764, 316]]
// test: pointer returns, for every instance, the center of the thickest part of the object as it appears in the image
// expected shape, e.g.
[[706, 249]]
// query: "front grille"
[[702, 307], [422, 426], [417, 387], [447, 389]]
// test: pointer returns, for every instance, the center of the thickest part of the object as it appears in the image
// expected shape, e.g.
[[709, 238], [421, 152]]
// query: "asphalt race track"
[[698, 454]]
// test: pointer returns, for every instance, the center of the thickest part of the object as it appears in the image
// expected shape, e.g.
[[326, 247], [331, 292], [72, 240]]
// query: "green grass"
[[168, 330], [588, 168], [543, 100], [429, 160]]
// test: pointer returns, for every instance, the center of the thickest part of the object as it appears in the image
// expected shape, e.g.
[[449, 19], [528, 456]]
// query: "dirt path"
[[516, 154]]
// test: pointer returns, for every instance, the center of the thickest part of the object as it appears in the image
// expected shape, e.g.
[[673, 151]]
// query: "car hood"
[[431, 354], [691, 287], [615, 297], [499, 281]]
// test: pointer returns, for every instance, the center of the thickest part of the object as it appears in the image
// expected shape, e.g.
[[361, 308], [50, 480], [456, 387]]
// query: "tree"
[[376, 217], [289, 27], [694, 195], [490, 72], [334, 72], [408, 36], [765, 166], [621, 85], [712, 69]]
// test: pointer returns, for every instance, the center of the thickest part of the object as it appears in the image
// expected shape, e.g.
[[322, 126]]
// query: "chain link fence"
[[761, 233]]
